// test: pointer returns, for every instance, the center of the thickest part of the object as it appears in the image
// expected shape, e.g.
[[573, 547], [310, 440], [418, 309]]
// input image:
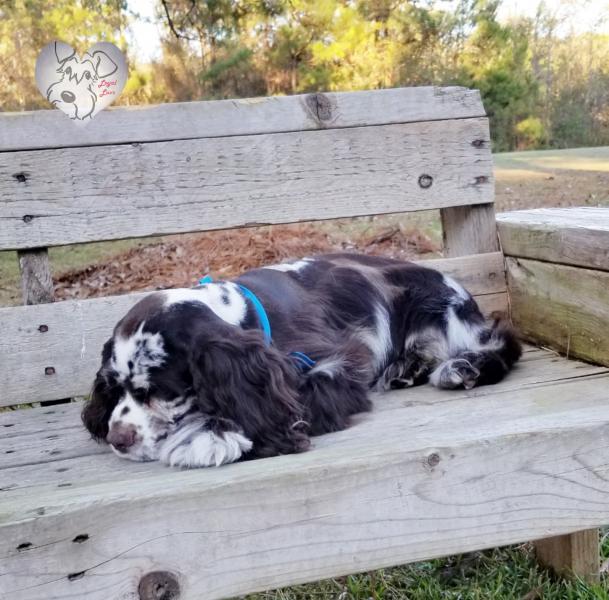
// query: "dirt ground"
[[523, 180]]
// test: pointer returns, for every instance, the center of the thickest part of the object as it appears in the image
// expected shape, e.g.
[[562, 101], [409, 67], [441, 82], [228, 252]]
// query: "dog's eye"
[[69, 72], [139, 395], [88, 75]]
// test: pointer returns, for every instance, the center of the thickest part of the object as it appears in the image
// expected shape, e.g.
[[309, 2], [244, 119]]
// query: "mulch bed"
[[179, 261]]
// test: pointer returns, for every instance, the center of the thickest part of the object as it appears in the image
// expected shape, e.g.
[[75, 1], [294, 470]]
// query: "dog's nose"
[[68, 96], [121, 437]]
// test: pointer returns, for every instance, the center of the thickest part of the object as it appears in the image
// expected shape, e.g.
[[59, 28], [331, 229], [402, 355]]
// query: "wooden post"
[[36, 279], [469, 230], [573, 554], [37, 286]]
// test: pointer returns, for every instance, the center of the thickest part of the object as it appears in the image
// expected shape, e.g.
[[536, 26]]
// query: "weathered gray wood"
[[50, 129], [575, 554], [36, 278], [564, 307], [53, 351], [574, 236], [64, 196], [469, 230], [364, 498]]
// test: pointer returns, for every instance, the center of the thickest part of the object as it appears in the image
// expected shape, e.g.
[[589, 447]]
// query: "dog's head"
[[74, 91], [179, 361]]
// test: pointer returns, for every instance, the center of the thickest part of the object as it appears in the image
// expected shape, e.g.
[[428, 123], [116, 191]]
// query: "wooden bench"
[[428, 473]]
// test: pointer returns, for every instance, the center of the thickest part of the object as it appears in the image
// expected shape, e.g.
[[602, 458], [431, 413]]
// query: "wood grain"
[[187, 120], [565, 307], [133, 190], [469, 230], [572, 236], [364, 498], [53, 351], [576, 554]]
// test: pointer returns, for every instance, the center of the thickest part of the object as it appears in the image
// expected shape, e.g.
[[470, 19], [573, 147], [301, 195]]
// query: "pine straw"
[[181, 260]]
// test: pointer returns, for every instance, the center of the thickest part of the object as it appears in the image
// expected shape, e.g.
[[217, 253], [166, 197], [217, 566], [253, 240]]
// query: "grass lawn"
[[503, 574]]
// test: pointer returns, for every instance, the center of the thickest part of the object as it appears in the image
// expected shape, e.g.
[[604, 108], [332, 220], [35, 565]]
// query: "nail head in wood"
[[159, 585], [43, 328], [425, 181], [27, 218], [21, 177], [433, 459], [49, 370]]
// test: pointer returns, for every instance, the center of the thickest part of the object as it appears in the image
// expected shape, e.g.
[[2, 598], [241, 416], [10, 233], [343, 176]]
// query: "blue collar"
[[301, 360], [262, 316]]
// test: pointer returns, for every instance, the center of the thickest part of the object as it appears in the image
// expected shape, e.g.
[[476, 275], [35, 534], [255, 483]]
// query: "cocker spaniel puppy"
[[254, 366]]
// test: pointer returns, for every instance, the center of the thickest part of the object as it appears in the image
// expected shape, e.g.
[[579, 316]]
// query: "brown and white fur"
[[188, 379]]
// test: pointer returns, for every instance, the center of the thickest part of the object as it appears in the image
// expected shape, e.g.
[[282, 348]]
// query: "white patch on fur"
[[143, 350], [293, 266], [379, 339], [192, 447], [138, 417], [461, 336], [211, 294], [151, 422], [329, 367], [457, 287]]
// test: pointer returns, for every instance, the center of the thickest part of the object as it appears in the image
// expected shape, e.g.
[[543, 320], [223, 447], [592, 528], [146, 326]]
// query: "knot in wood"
[[425, 181], [320, 105], [433, 459], [159, 585]]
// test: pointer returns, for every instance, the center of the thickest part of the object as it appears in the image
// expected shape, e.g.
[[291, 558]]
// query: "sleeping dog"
[[254, 366]]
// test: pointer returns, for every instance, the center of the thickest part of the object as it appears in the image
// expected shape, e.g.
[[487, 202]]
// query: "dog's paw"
[[455, 373], [207, 449]]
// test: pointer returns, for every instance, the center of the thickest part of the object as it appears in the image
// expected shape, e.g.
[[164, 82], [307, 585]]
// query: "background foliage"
[[540, 87]]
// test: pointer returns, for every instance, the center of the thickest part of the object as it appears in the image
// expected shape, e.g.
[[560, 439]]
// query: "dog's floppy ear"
[[102, 401], [104, 65], [237, 376], [63, 52]]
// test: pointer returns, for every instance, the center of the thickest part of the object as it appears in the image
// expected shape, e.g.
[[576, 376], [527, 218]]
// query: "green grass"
[[503, 574], [577, 159]]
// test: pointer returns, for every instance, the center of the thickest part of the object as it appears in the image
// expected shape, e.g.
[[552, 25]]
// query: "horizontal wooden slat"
[[401, 485], [573, 236], [51, 128], [562, 306], [110, 192], [52, 351]]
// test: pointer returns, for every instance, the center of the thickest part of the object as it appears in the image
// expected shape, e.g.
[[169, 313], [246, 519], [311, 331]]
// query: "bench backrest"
[[166, 169]]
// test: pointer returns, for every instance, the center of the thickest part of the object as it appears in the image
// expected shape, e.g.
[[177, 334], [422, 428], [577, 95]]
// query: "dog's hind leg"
[[336, 388], [405, 372], [487, 364]]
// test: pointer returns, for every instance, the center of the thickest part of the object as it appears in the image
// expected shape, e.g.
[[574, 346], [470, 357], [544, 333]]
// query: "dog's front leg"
[[205, 443]]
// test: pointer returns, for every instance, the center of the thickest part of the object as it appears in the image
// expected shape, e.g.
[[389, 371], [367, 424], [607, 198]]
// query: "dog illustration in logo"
[[75, 93]]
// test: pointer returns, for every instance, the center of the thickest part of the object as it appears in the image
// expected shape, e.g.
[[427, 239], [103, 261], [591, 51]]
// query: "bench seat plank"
[[427, 473], [571, 236]]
